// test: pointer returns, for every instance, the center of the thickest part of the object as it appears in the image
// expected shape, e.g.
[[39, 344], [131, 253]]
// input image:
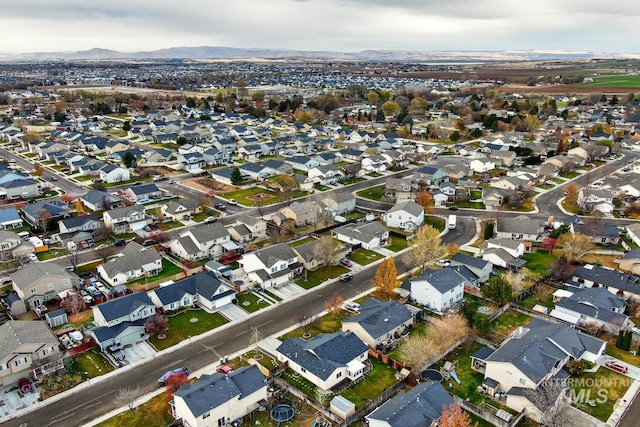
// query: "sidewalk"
[[621, 406]]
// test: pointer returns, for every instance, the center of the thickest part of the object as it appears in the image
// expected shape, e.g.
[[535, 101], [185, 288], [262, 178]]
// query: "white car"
[[32, 257], [352, 307], [232, 202]]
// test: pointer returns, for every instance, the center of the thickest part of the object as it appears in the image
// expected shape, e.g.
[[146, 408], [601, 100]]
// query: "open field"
[[615, 81]]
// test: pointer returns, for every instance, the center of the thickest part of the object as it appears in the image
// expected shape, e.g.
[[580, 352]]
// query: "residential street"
[[91, 402]]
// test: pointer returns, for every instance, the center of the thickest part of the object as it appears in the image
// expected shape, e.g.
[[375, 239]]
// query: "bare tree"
[[43, 217], [73, 258], [306, 320], [326, 250], [333, 304], [103, 252], [73, 303], [255, 336], [127, 396], [426, 247], [550, 403], [102, 232], [575, 245]]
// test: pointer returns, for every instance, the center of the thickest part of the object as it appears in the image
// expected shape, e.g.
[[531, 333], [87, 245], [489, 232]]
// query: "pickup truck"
[[163, 379]]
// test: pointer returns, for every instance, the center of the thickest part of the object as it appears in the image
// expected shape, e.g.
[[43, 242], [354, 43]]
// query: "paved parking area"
[[288, 290], [233, 312], [11, 401]]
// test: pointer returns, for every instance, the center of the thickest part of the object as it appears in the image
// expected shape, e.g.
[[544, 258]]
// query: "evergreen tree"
[[619, 339], [236, 177]]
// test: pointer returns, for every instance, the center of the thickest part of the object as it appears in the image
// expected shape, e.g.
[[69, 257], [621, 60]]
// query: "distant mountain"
[[220, 52]]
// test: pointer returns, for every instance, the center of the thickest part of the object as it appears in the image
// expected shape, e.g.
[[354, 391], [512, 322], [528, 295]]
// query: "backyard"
[[539, 262], [380, 378], [543, 296], [507, 323], [593, 385], [313, 278], [168, 269], [184, 325]]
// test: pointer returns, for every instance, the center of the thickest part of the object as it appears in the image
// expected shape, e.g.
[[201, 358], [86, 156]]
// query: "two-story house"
[[127, 219], [437, 290], [379, 321], [202, 241], [246, 228], [13, 247], [121, 321], [39, 282], [407, 215], [180, 210], [271, 266]]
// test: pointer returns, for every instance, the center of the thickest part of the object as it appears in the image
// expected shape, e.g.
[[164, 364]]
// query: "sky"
[[28, 26]]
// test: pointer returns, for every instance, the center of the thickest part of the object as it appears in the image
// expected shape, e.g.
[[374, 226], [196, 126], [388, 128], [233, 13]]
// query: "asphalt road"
[[98, 399]]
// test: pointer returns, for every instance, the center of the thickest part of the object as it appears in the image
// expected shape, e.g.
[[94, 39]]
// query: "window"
[[22, 361], [339, 374], [47, 350], [221, 422], [4, 366], [523, 381], [206, 415], [34, 290], [67, 282], [50, 286], [274, 269]]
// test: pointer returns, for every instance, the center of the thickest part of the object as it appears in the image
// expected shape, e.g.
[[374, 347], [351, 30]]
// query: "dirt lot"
[[207, 184]]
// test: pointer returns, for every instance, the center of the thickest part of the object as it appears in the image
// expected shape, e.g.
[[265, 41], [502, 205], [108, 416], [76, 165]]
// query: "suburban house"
[[421, 406], [368, 235], [247, 228], [112, 173], [379, 321], [203, 289], [437, 290], [593, 199], [10, 218], [429, 176], [35, 215], [271, 266], [39, 282], [192, 162], [79, 223], [308, 254], [220, 399], [202, 241], [301, 213], [621, 284], [533, 354], [399, 188], [120, 321], [478, 266], [630, 262], [100, 201], [520, 227], [134, 262], [13, 246], [326, 360], [340, 203], [408, 216], [17, 188], [592, 307], [183, 209], [127, 219], [143, 193], [482, 165], [633, 232], [515, 248], [602, 234], [27, 345]]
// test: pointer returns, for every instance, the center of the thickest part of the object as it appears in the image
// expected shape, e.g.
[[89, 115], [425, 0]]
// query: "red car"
[[346, 262], [25, 385], [617, 366]]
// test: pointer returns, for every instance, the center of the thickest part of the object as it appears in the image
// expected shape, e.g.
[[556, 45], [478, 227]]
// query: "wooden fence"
[[486, 414]]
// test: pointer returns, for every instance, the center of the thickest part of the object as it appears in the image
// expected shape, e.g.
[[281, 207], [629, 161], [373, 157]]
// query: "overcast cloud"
[[338, 25]]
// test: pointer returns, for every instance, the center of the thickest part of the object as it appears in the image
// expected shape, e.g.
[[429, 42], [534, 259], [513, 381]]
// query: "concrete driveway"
[[233, 312], [139, 351], [288, 290], [633, 372], [12, 400]]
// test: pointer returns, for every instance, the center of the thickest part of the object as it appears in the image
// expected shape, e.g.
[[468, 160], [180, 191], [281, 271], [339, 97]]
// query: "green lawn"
[[615, 81], [471, 205], [569, 175], [435, 221], [331, 322], [373, 193], [271, 197], [199, 217], [168, 270], [507, 323], [397, 244], [593, 383], [170, 225], [364, 256], [623, 355], [374, 174], [302, 384], [272, 295], [154, 413], [249, 302], [52, 253], [301, 242], [543, 296], [348, 181], [181, 326], [92, 363], [539, 262], [314, 278], [380, 378]]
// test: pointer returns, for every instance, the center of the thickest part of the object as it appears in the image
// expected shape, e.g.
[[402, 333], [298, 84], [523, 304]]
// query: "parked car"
[[116, 352], [453, 208], [346, 262], [210, 219], [224, 369], [32, 257], [443, 263], [232, 202], [119, 242], [352, 307], [346, 277], [25, 385], [617, 366], [171, 181], [220, 206], [54, 178], [163, 379]]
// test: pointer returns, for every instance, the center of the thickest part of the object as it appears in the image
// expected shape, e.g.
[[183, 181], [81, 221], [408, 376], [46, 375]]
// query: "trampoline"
[[282, 413], [431, 375]]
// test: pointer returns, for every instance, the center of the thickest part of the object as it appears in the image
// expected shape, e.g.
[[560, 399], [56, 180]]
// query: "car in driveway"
[[119, 242], [32, 257], [346, 277], [25, 385], [116, 352], [346, 262], [617, 366]]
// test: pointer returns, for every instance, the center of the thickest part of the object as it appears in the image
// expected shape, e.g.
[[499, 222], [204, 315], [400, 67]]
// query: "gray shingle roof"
[[15, 333], [609, 277], [211, 391], [443, 279], [272, 254], [409, 206], [324, 353], [135, 256], [378, 318], [205, 285], [470, 261], [419, 407], [362, 232], [519, 225], [123, 306], [542, 346], [27, 275]]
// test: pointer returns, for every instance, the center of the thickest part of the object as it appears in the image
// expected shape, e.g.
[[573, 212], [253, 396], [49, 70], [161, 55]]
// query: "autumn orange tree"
[[454, 416], [174, 382], [386, 278], [572, 194], [425, 199]]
